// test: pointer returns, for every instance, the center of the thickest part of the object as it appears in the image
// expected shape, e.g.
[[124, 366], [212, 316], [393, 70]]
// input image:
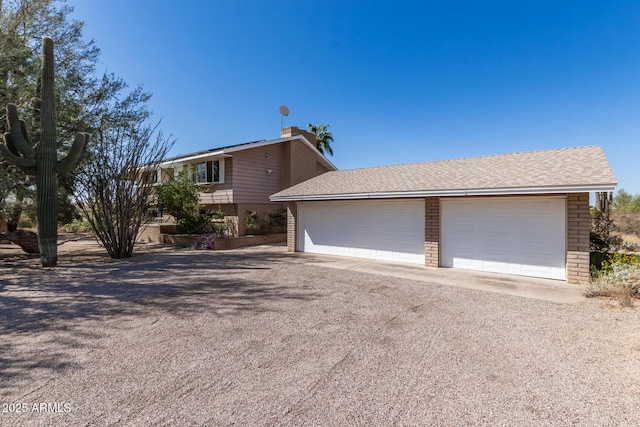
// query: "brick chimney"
[[292, 130]]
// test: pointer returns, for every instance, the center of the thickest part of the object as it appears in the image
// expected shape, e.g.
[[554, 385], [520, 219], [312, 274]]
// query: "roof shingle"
[[547, 169]]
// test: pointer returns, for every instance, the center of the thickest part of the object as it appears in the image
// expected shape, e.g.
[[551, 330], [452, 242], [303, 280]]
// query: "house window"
[[216, 171], [201, 173], [208, 172]]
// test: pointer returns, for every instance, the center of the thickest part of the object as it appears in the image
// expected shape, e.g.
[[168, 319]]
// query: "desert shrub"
[[628, 223], [26, 223], [208, 241], [619, 278], [630, 246], [77, 226]]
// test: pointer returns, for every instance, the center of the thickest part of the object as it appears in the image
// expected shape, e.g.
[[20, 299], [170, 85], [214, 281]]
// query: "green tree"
[[625, 203], [82, 95], [324, 138], [179, 198]]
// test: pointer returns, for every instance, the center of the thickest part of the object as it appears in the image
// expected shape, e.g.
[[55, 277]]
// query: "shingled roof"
[[576, 169]]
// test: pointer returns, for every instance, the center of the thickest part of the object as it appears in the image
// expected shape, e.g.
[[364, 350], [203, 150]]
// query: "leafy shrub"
[[596, 260], [179, 198], [600, 238], [194, 223], [208, 241], [278, 219], [251, 221]]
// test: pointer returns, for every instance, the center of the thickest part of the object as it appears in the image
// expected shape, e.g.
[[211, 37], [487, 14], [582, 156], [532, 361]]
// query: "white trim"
[[226, 151], [218, 153], [450, 193]]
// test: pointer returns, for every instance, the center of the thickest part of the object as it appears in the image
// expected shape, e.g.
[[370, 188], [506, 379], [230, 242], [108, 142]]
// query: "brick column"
[[292, 225], [432, 232], [578, 226]]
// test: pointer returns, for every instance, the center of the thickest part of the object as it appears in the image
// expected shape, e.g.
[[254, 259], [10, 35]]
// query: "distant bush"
[[78, 226], [26, 223], [628, 224]]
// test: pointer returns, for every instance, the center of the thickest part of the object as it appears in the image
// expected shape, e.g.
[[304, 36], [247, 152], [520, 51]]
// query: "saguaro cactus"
[[43, 162]]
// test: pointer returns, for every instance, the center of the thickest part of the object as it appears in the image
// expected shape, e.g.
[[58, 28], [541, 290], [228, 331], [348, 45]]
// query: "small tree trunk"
[[13, 217]]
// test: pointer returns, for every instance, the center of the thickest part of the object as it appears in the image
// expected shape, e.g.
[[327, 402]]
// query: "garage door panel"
[[523, 236], [388, 230]]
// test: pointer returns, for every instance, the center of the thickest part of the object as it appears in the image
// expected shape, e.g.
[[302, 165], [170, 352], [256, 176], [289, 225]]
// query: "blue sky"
[[398, 81]]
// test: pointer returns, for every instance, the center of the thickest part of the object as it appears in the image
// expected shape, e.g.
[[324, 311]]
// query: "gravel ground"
[[256, 337]]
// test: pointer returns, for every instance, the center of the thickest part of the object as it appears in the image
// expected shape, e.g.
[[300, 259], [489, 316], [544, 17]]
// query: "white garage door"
[[381, 229], [523, 236]]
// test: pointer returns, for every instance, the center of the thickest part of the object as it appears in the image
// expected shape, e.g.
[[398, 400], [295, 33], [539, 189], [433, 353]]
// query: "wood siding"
[[252, 181], [220, 193]]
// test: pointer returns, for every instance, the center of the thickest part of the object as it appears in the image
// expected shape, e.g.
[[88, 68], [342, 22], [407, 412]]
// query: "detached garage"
[[523, 213]]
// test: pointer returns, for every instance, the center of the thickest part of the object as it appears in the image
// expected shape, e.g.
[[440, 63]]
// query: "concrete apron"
[[527, 287]]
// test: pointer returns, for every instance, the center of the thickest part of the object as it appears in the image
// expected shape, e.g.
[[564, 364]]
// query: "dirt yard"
[[258, 337]]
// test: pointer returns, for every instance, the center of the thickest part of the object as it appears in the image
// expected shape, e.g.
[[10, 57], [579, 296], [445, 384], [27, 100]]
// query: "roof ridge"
[[471, 158]]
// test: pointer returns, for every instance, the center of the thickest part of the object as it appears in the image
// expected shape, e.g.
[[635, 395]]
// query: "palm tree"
[[323, 137]]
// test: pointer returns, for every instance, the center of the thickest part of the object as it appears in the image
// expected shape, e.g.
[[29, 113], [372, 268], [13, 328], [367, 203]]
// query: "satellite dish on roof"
[[284, 112]]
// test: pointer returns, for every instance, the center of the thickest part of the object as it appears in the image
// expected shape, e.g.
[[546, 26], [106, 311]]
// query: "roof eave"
[[450, 193], [225, 152]]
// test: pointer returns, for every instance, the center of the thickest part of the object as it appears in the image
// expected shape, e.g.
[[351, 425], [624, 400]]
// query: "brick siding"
[[432, 232], [578, 226], [262, 209], [292, 223]]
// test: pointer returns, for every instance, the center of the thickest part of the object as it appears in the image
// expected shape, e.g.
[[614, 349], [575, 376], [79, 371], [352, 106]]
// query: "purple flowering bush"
[[208, 241]]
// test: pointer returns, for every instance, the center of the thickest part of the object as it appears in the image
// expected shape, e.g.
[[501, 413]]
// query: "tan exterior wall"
[[578, 228], [432, 232], [303, 163], [252, 181]]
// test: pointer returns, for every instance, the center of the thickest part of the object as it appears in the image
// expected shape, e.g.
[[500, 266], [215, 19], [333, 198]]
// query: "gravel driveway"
[[253, 337]]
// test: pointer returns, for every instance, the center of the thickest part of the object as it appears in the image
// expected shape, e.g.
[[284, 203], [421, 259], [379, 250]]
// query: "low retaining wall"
[[187, 240]]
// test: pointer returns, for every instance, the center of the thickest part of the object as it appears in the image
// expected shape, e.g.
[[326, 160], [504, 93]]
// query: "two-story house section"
[[238, 179]]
